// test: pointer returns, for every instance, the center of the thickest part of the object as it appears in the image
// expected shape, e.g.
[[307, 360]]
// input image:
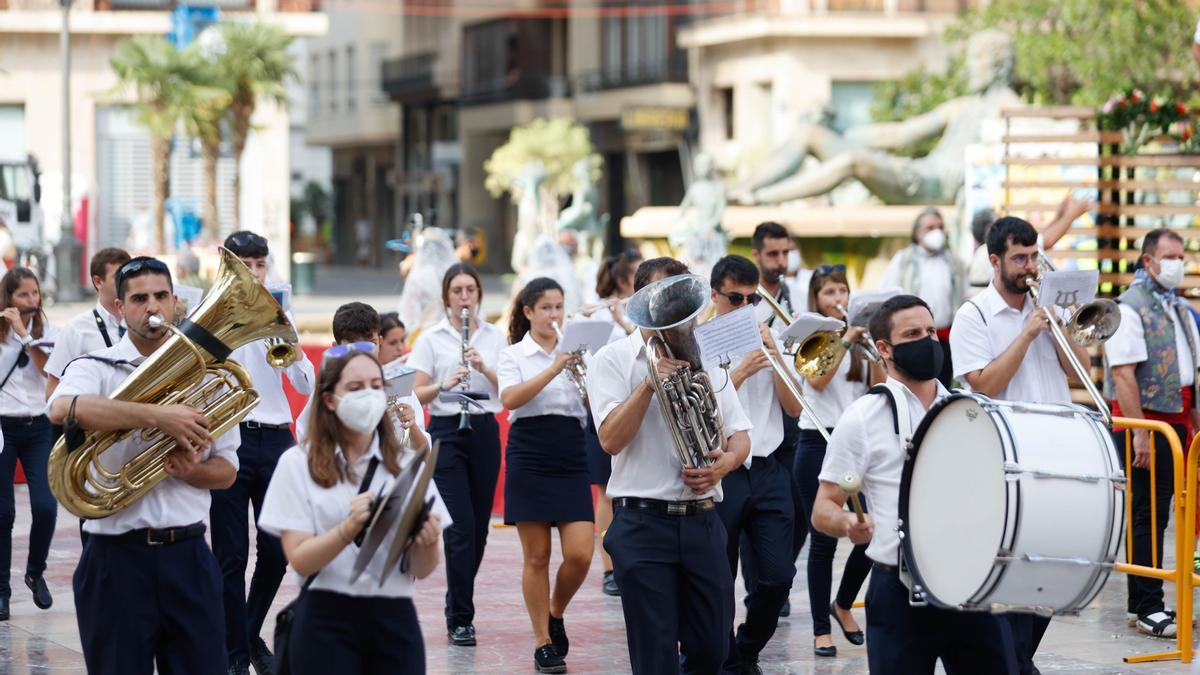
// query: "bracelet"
[[847, 345]]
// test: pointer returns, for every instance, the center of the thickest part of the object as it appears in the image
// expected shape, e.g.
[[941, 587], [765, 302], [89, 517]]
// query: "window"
[[351, 81], [12, 132], [314, 85], [333, 79], [725, 100], [377, 55]]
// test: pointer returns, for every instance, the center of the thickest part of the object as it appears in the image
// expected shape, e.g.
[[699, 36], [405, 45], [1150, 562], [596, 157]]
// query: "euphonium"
[[237, 310], [577, 371], [669, 307]]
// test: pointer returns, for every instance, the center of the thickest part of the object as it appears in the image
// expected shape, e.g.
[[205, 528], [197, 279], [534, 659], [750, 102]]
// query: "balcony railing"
[[409, 78], [524, 88], [634, 74]]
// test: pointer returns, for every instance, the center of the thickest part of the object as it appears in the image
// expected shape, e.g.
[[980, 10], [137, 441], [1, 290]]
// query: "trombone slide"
[[806, 409]]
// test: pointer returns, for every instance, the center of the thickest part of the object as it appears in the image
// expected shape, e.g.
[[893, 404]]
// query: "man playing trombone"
[[1002, 347], [758, 494]]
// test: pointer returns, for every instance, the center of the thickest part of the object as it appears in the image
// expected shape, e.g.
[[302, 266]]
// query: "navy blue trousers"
[[785, 456], [139, 605], [244, 615], [344, 634], [905, 640], [676, 589], [467, 468], [758, 504], [27, 439]]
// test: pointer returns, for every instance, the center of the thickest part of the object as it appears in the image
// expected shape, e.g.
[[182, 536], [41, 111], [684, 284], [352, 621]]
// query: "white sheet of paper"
[[283, 293], [189, 294], [727, 337], [398, 379], [806, 324], [589, 333], [1064, 288], [861, 300]]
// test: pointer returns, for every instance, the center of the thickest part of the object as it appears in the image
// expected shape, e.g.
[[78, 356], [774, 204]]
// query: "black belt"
[[156, 537], [263, 425], [22, 419], [888, 569], [683, 508]]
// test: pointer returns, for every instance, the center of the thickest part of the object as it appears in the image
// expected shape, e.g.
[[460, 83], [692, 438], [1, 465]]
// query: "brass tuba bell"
[[237, 310]]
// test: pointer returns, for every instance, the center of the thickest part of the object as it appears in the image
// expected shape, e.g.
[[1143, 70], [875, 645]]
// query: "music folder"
[[386, 512], [416, 509]]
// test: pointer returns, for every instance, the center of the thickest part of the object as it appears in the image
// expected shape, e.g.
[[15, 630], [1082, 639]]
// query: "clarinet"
[[464, 417]]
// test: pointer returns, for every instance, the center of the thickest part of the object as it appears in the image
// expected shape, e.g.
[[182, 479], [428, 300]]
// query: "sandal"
[[1159, 624]]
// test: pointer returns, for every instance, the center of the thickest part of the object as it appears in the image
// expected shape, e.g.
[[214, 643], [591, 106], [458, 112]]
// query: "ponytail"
[[615, 267]]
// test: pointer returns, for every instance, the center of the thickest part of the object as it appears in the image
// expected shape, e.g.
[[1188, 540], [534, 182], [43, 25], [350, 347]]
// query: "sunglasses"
[[826, 270], [737, 299], [137, 265], [244, 240], [338, 351]]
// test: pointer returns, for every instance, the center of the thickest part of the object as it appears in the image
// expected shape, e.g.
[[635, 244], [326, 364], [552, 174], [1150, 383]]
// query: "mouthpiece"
[[156, 321]]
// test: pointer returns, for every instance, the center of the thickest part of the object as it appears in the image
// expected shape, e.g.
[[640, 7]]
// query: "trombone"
[[1089, 325]]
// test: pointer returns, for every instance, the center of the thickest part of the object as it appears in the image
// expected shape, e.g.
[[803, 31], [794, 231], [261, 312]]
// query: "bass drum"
[[1010, 507]]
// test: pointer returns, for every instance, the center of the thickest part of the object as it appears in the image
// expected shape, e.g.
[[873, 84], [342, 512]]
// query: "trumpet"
[[866, 343], [464, 416], [281, 353], [577, 370], [1089, 325]]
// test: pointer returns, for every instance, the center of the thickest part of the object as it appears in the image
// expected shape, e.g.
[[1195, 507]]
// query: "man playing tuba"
[[147, 588]]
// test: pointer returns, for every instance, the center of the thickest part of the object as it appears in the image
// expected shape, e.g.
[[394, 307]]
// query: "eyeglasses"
[[826, 270], [338, 351], [736, 299], [248, 240], [1022, 259]]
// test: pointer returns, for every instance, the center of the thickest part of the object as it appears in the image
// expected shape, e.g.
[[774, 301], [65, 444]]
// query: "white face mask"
[[1170, 273], [793, 261], [934, 240], [361, 410]]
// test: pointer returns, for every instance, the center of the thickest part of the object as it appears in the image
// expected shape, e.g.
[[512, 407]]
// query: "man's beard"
[[771, 275], [1014, 283]]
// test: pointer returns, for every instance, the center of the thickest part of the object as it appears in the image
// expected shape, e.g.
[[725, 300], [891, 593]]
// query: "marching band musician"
[[546, 472], [469, 460], [96, 328], [666, 540], [391, 337], [757, 499], [1150, 373], [24, 336], [830, 395], [769, 245], [265, 435], [321, 497], [614, 283], [901, 638], [353, 322], [1003, 348], [149, 559]]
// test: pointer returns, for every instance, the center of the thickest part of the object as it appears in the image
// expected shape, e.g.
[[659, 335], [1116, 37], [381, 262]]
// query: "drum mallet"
[[851, 484]]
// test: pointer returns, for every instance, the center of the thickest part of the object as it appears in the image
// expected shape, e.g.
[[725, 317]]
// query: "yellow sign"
[[654, 119]]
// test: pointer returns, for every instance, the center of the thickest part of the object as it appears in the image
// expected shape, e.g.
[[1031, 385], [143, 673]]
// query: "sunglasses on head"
[[737, 299], [248, 240], [826, 270], [338, 351], [137, 265]]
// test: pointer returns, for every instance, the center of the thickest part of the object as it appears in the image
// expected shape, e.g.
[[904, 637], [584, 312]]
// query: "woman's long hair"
[[518, 323], [836, 275], [325, 429], [614, 267], [9, 285]]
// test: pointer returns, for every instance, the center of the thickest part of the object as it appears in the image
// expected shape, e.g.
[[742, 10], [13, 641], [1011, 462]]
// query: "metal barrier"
[[1184, 508]]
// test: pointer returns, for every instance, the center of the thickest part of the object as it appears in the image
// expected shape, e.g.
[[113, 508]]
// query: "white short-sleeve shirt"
[[273, 406], [171, 503], [865, 442], [830, 403], [82, 336], [524, 361], [438, 352], [295, 503], [761, 405], [24, 394], [974, 344], [648, 467], [1128, 345]]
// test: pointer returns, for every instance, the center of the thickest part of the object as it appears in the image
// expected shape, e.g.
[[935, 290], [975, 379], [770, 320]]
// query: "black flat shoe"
[[558, 636], [609, 584], [462, 636], [828, 652], [41, 593], [855, 637], [3, 609], [547, 660], [786, 610]]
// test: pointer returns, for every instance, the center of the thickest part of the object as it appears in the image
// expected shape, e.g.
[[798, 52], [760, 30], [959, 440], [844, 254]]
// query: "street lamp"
[[68, 250]]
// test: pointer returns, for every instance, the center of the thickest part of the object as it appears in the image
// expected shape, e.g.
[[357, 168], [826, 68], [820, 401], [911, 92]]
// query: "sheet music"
[[398, 379], [729, 336], [590, 333], [861, 301], [806, 324], [283, 294], [1064, 288]]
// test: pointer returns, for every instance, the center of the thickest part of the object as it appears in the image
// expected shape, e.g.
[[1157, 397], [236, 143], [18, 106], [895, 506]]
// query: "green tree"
[[204, 121], [159, 79], [557, 144], [254, 64]]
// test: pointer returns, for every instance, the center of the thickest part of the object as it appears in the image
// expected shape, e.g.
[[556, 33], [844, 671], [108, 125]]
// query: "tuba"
[[669, 307], [237, 310]]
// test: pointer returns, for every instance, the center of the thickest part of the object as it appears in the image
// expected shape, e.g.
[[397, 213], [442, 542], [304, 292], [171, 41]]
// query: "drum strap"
[[981, 316], [903, 435]]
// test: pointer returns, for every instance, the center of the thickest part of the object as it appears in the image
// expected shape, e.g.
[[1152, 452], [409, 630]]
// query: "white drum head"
[[957, 501]]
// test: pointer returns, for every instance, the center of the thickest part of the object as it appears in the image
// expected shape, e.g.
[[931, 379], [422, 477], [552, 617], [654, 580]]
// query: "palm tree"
[[160, 78], [256, 63], [204, 121]]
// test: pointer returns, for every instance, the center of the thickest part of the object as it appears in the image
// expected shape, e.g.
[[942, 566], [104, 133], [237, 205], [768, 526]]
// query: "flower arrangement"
[[1144, 118]]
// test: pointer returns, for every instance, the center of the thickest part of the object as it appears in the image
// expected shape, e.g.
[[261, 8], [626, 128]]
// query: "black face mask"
[[919, 360]]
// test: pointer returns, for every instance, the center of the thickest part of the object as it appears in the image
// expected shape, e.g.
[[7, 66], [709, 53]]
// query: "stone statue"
[[697, 232], [583, 215], [421, 296], [528, 183], [936, 178]]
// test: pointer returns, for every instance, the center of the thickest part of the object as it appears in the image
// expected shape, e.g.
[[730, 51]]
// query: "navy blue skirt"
[[599, 461], [546, 471]]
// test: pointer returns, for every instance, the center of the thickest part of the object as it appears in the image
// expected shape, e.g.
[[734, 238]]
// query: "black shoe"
[[829, 652], [786, 610], [41, 594], [240, 668], [261, 657], [749, 668], [558, 636], [3, 609], [462, 636], [855, 637], [609, 584], [547, 660]]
